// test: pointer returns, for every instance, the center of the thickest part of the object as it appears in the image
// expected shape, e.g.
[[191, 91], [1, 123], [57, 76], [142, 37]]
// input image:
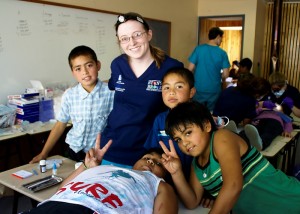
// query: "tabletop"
[[15, 183], [277, 144]]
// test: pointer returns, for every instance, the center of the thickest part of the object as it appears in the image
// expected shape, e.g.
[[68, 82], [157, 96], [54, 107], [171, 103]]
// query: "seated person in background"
[[267, 125], [234, 69], [95, 188], [244, 68], [240, 178], [239, 103], [283, 94], [87, 105]]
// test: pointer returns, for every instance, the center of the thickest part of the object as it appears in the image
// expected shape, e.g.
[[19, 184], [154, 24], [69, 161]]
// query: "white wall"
[[181, 14]]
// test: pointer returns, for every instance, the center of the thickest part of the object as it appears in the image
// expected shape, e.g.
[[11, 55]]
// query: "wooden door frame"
[[240, 17]]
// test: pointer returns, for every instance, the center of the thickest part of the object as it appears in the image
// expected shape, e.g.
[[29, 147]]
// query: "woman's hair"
[[185, 73], [277, 78], [260, 86], [157, 53], [188, 113], [253, 86]]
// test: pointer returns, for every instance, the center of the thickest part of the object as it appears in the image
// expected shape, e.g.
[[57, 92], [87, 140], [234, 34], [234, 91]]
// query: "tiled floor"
[[6, 204]]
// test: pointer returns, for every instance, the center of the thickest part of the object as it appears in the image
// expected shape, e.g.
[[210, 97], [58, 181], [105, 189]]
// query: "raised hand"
[[170, 158], [95, 155]]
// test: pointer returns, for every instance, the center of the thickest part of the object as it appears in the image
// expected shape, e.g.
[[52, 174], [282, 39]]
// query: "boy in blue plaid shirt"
[[87, 105]]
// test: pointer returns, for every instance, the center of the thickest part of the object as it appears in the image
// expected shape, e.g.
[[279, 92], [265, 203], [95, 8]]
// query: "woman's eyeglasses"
[[135, 36]]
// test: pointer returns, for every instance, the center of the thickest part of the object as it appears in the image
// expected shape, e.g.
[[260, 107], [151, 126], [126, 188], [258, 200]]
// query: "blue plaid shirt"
[[88, 113]]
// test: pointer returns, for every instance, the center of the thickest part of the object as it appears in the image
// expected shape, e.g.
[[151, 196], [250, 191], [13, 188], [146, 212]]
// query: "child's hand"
[[170, 158], [90, 160], [207, 202], [38, 158], [286, 134], [95, 155]]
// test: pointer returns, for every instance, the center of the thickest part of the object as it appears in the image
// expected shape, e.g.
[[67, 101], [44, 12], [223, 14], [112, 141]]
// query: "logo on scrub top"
[[119, 85], [162, 133], [154, 85], [120, 80]]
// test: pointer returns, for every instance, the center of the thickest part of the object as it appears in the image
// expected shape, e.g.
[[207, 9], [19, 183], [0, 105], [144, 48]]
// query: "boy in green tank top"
[[225, 165]]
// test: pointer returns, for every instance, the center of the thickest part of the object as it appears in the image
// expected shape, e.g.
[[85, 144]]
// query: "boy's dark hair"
[[214, 32], [185, 73], [244, 82], [246, 62], [81, 51], [188, 113]]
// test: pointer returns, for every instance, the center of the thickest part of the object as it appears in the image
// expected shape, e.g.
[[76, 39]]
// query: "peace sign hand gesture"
[[170, 158], [95, 155]]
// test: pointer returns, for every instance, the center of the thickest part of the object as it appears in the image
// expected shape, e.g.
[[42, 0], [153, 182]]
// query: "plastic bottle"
[[43, 166], [54, 169]]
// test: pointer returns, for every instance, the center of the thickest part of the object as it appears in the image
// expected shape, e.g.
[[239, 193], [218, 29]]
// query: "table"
[[17, 133], [8, 180], [297, 123], [19, 148], [280, 142], [45, 127], [277, 144], [11, 136], [295, 118], [10, 149], [286, 147]]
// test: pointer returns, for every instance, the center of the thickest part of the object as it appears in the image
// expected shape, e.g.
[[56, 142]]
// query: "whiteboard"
[[36, 39]]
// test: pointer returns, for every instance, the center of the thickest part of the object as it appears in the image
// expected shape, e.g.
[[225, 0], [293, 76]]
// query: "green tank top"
[[210, 176], [265, 189]]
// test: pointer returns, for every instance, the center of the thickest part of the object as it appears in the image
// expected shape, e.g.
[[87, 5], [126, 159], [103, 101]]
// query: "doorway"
[[233, 27]]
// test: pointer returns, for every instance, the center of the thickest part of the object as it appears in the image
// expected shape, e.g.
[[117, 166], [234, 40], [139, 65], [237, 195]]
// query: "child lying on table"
[[95, 188], [267, 125]]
